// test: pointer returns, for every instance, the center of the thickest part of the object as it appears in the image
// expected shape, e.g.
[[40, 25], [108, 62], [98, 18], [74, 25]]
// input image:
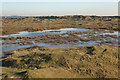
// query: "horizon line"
[[54, 15]]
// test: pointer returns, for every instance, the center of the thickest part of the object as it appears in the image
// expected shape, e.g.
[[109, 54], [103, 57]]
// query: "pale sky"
[[60, 0], [56, 8]]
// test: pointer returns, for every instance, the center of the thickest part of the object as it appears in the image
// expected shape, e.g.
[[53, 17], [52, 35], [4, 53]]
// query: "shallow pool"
[[92, 33]]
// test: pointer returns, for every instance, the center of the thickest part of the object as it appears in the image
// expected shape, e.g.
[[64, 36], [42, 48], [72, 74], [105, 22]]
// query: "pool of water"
[[11, 46], [46, 32], [114, 33]]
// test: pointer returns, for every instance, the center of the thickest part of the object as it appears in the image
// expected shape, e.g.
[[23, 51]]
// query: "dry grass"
[[113, 36], [84, 62], [83, 39], [14, 25]]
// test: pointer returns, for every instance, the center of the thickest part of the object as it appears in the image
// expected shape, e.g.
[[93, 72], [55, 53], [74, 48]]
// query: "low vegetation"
[[13, 25], [98, 61]]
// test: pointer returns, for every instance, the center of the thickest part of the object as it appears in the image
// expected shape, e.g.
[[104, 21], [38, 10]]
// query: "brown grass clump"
[[12, 38], [86, 32], [55, 31], [111, 31], [112, 42], [64, 34], [85, 40], [29, 42], [94, 38], [5, 38], [113, 36], [102, 36], [19, 37]]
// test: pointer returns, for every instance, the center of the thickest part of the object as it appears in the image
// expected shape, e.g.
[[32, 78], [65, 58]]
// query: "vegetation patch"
[[98, 61], [14, 25]]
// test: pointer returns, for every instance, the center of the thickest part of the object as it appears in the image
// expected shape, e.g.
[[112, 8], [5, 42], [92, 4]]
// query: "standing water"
[[93, 35]]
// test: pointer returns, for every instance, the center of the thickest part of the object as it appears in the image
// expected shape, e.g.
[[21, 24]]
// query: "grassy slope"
[[47, 62]]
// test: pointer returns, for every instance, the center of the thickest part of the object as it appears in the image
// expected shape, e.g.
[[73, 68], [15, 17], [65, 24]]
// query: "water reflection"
[[9, 45], [46, 32]]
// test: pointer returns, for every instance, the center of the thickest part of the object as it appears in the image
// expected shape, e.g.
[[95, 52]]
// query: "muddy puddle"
[[59, 38]]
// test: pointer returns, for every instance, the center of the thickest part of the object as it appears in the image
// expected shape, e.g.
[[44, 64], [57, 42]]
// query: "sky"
[[39, 8], [60, 0]]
